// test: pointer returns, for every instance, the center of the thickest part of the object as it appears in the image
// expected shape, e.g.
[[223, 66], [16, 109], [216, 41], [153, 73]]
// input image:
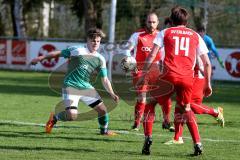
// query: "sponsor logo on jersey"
[[232, 64], [146, 49]]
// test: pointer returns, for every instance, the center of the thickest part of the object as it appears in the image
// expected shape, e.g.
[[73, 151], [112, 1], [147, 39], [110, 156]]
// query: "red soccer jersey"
[[143, 44], [181, 46]]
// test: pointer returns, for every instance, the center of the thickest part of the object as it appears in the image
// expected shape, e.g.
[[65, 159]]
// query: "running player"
[[142, 43], [83, 62], [213, 52], [182, 45], [196, 102]]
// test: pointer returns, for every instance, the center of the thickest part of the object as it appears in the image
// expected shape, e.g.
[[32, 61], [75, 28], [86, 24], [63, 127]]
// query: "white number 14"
[[184, 45]]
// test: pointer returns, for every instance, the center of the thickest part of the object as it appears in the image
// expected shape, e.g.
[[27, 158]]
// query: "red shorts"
[[197, 91], [182, 86]]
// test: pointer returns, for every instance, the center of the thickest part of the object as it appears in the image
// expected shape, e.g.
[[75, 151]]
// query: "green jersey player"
[[83, 62]]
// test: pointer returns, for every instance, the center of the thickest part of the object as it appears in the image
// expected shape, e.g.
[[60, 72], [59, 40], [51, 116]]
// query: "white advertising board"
[[42, 48], [231, 59]]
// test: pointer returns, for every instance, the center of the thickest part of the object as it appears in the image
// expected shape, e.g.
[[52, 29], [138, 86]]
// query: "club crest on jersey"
[[84, 66]]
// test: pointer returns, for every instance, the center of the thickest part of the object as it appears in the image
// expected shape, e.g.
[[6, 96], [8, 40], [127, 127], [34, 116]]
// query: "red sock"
[[138, 113], [166, 109], [149, 116], [178, 123], [203, 109], [190, 119]]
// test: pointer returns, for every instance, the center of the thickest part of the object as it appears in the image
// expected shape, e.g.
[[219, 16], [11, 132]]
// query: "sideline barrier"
[[16, 54]]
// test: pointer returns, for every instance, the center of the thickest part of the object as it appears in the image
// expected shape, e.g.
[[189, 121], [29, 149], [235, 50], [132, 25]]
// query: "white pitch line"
[[117, 131]]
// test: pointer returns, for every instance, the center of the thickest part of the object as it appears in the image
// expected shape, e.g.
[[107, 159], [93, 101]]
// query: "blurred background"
[[69, 19], [29, 28]]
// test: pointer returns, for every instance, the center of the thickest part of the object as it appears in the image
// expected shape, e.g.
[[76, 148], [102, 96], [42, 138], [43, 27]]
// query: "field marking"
[[117, 131]]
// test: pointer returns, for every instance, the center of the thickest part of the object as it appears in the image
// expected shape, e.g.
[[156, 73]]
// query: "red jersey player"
[[182, 45], [196, 102], [142, 43]]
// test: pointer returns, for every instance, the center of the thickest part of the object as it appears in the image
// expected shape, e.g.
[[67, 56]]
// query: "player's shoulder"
[[140, 31], [75, 47], [77, 50], [100, 56], [207, 38]]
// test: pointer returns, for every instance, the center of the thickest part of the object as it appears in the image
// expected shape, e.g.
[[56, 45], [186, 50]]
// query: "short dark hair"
[[167, 21], [179, 16], [201, 28], [95, 32]]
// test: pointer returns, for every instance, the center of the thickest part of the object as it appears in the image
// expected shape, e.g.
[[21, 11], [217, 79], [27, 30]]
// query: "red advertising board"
[[3, 51], [19, 52]]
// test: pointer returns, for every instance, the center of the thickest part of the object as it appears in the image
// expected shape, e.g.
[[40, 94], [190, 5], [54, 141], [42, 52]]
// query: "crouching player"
[[83, 62]]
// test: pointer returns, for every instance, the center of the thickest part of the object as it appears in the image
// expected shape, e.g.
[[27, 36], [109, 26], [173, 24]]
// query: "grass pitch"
[[26, 102]]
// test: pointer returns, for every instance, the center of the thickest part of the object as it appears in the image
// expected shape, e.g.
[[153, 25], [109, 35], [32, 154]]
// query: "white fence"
[[16, 54]]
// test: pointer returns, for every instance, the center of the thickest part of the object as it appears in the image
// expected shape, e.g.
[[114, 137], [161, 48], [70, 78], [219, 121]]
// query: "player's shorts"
[[71, 97], [197, 91], [182, 87]]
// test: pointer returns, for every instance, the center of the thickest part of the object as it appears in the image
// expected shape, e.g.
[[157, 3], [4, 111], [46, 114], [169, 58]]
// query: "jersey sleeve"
[[103, 69], [159, 38], [68, 52], [202, 48], [134, 39], [212, 47]]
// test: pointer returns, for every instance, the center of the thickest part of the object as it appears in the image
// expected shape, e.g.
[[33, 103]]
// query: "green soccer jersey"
[[81, 66]]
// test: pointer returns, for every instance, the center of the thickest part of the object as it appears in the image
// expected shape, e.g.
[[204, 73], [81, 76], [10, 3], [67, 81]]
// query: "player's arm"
[[105, 81], [107, 85], [215, 52], [202, 51], [151, 57], [50, 55], [131, 43]]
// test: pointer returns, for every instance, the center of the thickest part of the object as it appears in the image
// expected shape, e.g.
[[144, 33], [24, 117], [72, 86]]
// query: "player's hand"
[[35, 61], [115, 98], [222, 64], [207, 90]]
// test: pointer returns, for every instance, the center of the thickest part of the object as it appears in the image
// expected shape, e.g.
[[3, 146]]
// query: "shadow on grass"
[[42, 135], [22, 148], [27, 90]]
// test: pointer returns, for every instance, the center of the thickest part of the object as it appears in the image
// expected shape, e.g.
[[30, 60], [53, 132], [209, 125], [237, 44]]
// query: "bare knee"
[[72, 114]]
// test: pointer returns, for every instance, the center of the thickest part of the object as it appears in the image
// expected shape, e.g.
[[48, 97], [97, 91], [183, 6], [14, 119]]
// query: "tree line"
[[69, 19]]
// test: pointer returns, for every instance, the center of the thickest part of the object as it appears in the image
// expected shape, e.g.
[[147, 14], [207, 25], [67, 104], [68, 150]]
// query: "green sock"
[[103, 123]]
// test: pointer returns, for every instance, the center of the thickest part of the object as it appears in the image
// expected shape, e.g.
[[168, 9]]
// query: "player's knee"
[[72, 113], [101, 109]]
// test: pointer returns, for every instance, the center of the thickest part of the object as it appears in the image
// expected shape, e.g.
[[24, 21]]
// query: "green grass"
[[26, 97]]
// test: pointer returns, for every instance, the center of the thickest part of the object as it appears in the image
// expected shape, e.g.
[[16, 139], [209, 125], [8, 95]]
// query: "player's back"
[[180, 44]]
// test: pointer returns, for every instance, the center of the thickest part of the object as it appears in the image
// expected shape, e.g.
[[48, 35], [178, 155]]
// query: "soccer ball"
[[128, 63]]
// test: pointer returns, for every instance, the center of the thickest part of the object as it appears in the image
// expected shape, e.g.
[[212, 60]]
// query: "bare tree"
[[17, 18], [91, 10]]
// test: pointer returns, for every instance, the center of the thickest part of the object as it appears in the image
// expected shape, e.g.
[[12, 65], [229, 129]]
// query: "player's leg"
[[199, 108], [69, 106], [103, 118], [166, 110], [184, 91], [141, 101], [149, 116], [92, 99], [178, 124]]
